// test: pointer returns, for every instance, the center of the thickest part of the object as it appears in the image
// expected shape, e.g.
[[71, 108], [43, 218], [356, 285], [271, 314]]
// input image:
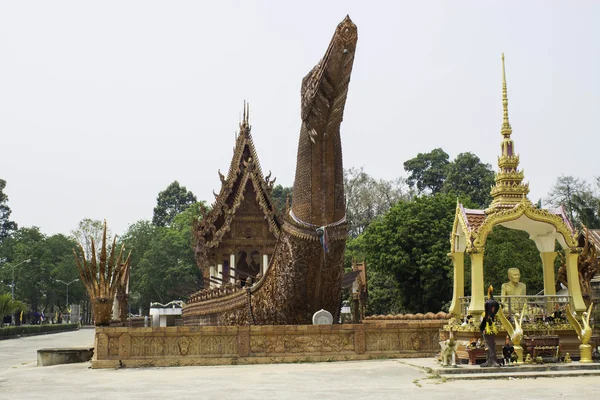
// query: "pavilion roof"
[[474, 218], [244, 172], [472, 224]]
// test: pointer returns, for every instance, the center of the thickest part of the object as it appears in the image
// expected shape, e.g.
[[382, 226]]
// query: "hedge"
[[9, 331]]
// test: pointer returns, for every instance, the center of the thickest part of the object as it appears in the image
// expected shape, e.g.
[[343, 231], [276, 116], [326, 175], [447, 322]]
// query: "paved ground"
[[20, 378]]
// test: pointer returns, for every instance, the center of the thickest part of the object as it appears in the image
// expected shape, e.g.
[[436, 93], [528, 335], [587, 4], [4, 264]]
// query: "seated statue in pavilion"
[[513, 288]]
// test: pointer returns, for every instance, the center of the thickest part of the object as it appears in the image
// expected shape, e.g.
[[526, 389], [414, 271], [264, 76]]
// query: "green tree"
[[6, 225], [427, 171], [59, 258], [572, 194], [138, 238], [468, 176], [280, 195], [507, 248], [8, 306], [587, 207], [165, 261], [37, 282], [409, 244], [170, 202], [32, 279], [88, 229]]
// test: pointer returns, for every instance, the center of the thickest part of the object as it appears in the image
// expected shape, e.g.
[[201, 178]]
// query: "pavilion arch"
[[544, 226]]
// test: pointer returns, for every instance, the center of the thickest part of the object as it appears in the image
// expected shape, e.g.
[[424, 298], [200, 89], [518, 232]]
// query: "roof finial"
[[245, 119], [506, 128], [509, 189]]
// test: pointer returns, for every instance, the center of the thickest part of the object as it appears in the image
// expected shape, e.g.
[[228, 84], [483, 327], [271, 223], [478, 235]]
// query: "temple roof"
[[244, 174], [474, 218]]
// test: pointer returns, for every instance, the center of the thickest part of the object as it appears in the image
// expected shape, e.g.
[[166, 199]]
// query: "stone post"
[[265, 265], [123, 306], [213, 272], [231, 265]]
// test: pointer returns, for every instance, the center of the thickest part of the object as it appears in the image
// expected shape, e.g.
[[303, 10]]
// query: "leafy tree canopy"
[[88, 229], [280, 195], [6, 225], [163, 259], [507, 248], [408, 248], [579, 200], [8, 306], [170, 202], [427, 171], [368, 198], [468, 176], [37, 282]]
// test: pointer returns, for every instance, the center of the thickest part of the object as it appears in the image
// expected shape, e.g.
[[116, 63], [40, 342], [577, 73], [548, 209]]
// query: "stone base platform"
[[47, 357], [569, 343], [227, 345], [434, 369]]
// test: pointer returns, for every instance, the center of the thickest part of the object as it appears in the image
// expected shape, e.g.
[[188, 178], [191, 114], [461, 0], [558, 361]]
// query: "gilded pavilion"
[[512, 209], [237, 237]]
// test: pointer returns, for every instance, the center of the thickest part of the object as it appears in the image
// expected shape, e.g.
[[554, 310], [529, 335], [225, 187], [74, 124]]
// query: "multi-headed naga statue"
[[305, 272]]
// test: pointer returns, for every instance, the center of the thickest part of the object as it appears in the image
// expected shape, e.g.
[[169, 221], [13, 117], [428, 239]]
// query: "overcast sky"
[[103, 104]]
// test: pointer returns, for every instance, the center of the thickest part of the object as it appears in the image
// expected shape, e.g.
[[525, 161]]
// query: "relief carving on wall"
[[184, 345], [324, 343]]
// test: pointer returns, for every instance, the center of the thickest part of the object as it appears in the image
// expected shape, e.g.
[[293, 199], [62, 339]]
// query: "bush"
[[9, 331]]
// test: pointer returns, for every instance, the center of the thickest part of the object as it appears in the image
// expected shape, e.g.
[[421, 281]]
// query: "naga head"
[[318, 196]]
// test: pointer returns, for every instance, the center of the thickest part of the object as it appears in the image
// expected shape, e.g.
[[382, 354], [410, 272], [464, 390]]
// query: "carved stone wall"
[[222, 345]]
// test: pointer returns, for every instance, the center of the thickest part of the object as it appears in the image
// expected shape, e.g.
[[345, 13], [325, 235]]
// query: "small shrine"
[[236, 238], [512, 209], [540, 326]]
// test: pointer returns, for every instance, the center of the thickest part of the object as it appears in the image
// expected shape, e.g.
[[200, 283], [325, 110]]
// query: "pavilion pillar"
[[476, 307], [458, 262], [212, 274], [265, 265], [232, 265], [548, 258], [220, 273], [572, 258]]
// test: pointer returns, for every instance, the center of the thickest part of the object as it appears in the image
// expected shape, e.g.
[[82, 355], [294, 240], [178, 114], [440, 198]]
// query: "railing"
[[171, 304], [537, 307]]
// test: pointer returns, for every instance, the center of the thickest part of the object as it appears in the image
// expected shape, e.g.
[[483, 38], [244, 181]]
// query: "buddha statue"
[[513, 287]]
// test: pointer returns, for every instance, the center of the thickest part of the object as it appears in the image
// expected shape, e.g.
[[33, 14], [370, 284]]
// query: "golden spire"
[[509, 189], [506, 128]]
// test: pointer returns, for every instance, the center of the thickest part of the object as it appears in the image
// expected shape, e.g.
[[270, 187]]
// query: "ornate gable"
[[244, 203]]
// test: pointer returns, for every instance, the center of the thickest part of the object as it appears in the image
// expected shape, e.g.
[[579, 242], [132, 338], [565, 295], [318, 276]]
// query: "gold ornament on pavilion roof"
[[509, 189]]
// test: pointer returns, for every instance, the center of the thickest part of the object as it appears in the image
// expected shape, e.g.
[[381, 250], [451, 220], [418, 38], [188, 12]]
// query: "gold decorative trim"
[[529, 210]]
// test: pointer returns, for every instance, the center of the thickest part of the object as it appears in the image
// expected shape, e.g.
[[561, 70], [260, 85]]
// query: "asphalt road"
[[20, 378]]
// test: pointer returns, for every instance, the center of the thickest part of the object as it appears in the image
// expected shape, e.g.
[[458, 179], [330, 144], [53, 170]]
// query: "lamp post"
[[73, 281], [12, 285]]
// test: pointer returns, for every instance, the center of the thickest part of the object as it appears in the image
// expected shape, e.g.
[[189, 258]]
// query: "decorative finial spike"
[[244, 120], [506, 128], [509, 180]]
